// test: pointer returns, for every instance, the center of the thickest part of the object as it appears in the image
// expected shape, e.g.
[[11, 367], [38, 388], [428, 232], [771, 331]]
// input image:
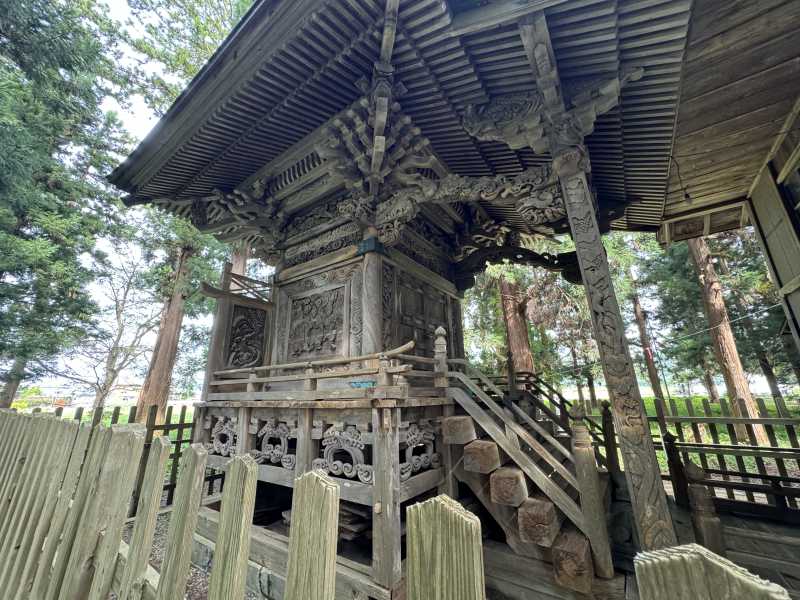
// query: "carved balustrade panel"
[[248, 337], [220, 428], [274, 435], [345, 444], [417, 448]]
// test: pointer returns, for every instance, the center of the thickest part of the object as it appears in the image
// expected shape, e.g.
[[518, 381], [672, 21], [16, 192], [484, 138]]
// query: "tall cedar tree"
[[180, 36], [58, 61]]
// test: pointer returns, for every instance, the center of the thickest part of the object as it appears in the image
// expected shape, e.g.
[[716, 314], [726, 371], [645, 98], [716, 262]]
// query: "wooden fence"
[[65, 488], [177, 427], [745, 477]]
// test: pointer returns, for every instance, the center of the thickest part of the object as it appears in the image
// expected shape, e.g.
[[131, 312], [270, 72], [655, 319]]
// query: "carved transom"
[[419, 436], [341, 440], [273, 442], [223, 435]]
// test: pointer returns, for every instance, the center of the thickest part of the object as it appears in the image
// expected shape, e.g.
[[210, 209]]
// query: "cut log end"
[[572, 561], [483, 456], [458, 430], [539, 521], [508, 486]]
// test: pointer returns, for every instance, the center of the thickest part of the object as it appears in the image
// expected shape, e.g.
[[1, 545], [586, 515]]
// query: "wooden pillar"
[[386, 533], [372, 301], [651, 514], [705, 522], [219, 333], [305, 449], [592, 500], [450, 454]]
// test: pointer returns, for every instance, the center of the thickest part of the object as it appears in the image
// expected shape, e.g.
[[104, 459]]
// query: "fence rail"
[[745, 477], [178, 428]]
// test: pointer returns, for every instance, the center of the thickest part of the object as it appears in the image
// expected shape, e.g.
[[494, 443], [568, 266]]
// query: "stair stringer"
[[560, 498]]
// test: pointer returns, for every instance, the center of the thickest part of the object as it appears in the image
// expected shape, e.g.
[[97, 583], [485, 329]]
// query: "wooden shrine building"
[[378, 153]]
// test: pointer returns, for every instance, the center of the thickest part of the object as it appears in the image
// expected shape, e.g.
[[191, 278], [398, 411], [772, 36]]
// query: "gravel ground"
[[197, 583]]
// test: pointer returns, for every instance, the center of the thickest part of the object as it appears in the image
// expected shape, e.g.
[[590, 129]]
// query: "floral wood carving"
[[641, 468], [246, 348], [273, 444], [526, 120], [419, 435], [338, 439], [317, 324], [223, 435]]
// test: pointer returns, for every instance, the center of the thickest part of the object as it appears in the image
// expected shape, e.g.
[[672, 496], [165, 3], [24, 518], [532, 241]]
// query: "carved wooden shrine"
[[378, 154]]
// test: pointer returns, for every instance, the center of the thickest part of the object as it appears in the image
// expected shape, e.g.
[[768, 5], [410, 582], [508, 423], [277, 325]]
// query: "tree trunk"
[[649, 361], [792, 354], [578, 382], [155, 390], [592, 391], [722, 339], [769, 375], [519, 345], [711, 387], [13, 378]]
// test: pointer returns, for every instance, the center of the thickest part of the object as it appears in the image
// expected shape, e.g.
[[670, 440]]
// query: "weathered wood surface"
[[175, 567], [692, 572], [130, 586], [445, 552], [651, 515], [233, 544], [311, 568]]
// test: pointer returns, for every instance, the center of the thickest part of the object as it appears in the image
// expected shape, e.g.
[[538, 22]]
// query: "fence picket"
[[145, 524], [722, 461], [175, 568], [229, 570], [50, 526]]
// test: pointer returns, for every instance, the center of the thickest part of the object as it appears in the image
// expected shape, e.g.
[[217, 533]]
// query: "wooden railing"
[[378, 364], [745, 477], [177, 428]]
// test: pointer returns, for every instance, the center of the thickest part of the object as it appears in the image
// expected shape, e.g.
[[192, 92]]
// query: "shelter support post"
[[219, 332], [371, 298], [651, 514], [386, 532]]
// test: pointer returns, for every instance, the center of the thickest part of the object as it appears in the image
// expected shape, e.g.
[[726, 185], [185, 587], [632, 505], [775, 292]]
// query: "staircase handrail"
[[558, 496]]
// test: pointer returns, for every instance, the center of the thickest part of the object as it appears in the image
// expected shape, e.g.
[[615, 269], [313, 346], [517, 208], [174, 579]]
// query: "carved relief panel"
[[248, 333], [275, 438], [220, 426], [345, 450], [320, 315]]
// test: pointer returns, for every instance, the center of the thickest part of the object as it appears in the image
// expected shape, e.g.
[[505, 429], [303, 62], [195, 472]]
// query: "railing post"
[[592, 501], [610, 441], [440, 354], [705, 522], [309, 383], [384, 377], [680, 485]]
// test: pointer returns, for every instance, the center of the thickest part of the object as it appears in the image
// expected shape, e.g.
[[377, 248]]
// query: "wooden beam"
[[496, 13]]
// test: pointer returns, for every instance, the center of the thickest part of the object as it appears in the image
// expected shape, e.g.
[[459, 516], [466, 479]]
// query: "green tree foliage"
[[752, 300], [179, 35], [58, 62]]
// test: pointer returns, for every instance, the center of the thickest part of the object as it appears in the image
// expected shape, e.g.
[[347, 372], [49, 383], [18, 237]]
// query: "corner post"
[[219, 333], [371, 297], [386, 533], [592, 501], [610, 439], [449, 485], [440, 355], [649, 501]]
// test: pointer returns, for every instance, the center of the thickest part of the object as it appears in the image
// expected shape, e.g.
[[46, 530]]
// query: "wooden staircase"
[[535, 474]]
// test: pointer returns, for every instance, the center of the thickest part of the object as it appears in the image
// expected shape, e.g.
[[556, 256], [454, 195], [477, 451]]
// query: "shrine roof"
[[291, 66]]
